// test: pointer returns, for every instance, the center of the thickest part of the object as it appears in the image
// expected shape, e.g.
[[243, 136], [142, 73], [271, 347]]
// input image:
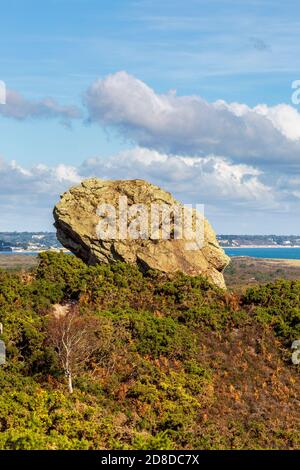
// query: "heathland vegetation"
[[153, 361]]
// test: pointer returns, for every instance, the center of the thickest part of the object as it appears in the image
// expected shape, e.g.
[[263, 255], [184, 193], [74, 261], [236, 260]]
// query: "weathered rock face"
[[77, 222]]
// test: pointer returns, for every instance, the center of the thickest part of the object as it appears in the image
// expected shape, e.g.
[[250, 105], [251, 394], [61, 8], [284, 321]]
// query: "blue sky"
[[244, 52]]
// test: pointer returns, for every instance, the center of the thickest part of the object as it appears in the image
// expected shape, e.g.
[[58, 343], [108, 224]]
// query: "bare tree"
[[75, 338]]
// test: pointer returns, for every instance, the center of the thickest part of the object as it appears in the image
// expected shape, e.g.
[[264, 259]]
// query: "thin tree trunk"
[[68, 374], [70, 382]]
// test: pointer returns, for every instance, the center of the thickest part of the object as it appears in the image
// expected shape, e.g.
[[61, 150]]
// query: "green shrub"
[[277, 305]]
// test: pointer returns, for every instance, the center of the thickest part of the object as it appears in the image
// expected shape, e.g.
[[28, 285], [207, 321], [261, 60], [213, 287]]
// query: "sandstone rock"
[[77, 225]]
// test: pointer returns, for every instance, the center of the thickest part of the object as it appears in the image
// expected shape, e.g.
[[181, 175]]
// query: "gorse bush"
[[277, 305], [159, 375]]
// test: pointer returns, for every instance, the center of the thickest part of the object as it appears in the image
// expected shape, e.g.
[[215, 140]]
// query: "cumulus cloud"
[[208, 180], [201, 179], [229, 156], [283, 117], [191, 125], [27, 195], [20, 108], [231, 190], [36, 184]]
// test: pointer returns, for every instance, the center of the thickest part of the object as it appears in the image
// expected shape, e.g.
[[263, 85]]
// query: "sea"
[[276, 253]]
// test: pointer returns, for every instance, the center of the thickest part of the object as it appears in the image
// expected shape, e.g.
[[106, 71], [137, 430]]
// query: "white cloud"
[[212, 180], [285, 118], [66, 173], [190, 125], [20, 108], [227, 156], [208, 180], [230, 191], [28, 195], [36, 184]]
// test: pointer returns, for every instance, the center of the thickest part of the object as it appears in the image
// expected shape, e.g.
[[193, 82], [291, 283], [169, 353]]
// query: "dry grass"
[[17, 261], [246, 271]]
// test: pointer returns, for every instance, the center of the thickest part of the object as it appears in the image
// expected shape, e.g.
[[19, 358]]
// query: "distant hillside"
[[175, 363]]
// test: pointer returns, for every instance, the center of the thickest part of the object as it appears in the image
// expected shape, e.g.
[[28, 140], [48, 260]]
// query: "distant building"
[[38, 237]]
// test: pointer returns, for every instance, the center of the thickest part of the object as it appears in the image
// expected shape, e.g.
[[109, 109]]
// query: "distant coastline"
[[255, 252], [258, 246], [32, 252]]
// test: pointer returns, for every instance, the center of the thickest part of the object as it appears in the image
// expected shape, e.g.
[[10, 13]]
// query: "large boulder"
[[77, 220]]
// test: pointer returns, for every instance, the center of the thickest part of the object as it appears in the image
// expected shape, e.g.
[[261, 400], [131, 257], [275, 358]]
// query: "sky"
[[194, 96]]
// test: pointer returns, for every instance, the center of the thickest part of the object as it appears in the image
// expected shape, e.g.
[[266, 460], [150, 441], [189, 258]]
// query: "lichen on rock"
[[77, 221]]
